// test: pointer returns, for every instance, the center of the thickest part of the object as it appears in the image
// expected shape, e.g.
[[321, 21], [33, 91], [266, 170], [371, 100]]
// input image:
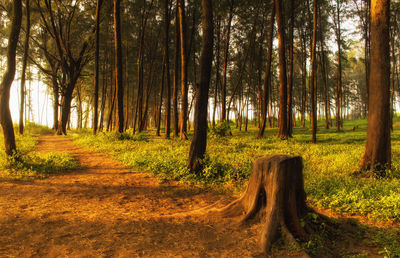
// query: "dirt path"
[[105, 209]]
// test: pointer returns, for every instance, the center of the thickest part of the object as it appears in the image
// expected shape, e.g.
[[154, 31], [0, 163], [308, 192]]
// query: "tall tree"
[[118, 67], [267, 78], [338, 33], [283, 132], [199, 143], [96, 68], [71, 53], [226, 57], [5, 86], [184, 80], [217, 65], [377, 155], [313, 79], [290, 72], [24, 64], [168, 80], [176, 73]]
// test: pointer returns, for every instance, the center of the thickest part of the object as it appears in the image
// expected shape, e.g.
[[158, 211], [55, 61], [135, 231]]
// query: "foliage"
[[220, 129]]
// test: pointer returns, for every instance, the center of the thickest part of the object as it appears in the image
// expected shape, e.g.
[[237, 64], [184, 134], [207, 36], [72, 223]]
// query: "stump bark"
[[275, 193]]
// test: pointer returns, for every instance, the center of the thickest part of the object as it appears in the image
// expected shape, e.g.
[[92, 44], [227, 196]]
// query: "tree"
[[377, 155], [176, 74], [338, 32], [267, 79], [184, 82], [118, 67], [24, 64], [5, 114], [71, 53], [199, 142], [96, 68], [168, 81], [283, 132], [313, 81], [226, 57], [290, 72]]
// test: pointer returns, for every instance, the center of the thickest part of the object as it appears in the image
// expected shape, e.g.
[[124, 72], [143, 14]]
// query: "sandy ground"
[[107, 210]]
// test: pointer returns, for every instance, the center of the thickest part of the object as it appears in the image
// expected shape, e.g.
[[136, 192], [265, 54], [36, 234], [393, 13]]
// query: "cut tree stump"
[[276, 194]]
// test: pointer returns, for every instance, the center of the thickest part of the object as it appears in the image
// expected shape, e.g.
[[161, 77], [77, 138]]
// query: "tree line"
[[174, 64]]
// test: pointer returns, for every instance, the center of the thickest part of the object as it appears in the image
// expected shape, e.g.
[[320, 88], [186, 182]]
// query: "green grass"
[[329, 165], [27, 163]]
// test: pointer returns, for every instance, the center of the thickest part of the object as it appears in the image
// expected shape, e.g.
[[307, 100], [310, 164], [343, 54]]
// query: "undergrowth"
[[27, 163], [329, 165]]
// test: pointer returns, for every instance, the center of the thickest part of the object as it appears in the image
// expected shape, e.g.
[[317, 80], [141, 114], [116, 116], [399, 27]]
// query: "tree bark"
[[377, 155], [24, 64], [5, 114], [159, 112], [176, 74], [168, 80], [184, 83], [303, 78], [217, 65], [118, 68], [339, 71], [199, 143], [275, 193], [226, 56], [313, 83], [267, 79], [96, 68], [290, 74], [283, 132]]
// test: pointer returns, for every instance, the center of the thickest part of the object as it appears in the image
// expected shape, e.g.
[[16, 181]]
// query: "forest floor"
[[106, 209]]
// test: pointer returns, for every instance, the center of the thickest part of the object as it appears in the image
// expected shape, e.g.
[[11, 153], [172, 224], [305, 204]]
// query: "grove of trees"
[[177, 65]]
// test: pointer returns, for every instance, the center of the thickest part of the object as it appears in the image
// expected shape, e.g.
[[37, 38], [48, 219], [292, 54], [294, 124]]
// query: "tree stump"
[[276, 193]]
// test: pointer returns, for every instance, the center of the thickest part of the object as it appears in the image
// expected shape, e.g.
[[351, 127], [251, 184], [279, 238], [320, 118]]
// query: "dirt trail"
[[105, 209]]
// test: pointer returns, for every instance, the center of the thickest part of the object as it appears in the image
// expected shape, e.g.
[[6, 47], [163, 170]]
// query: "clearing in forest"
[[106, 209]]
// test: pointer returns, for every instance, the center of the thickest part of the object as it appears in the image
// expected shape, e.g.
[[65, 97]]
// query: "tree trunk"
[[283, 132], [184, 82], [303, 79], [325, 81], [276, 192], [176, 74], [103, 98], [56, 104], [339, 85], [392, 78], [159, 112], [5, 115], [118, 68], [290, 74], [112, 104], [226, 56], [267, 79], [24, 64], [199, 143], [313, 83], [217, 65], [377, 155], [168, 80], [66, 100], [96, 69]]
